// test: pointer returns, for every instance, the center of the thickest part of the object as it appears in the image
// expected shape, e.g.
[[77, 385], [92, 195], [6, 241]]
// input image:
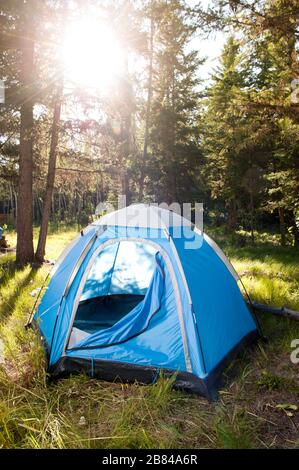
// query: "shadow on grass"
[[239, 245], [9, 270], [285, 255]]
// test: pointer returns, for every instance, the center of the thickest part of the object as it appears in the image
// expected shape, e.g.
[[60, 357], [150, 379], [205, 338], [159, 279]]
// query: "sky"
[[210, 48]]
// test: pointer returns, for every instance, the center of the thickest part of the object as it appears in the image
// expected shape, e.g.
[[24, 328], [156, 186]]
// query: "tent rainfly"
[[143, 291]]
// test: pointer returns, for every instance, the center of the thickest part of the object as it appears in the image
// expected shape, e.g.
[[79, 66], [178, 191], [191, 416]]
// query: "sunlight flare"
[[92, 55]]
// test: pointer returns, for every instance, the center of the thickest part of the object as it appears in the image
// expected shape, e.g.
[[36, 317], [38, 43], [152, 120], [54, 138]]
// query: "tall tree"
[[147, 119], [19, 35], [173, 135], [25, 251], [269, 33], [222, 134], [41, 246]]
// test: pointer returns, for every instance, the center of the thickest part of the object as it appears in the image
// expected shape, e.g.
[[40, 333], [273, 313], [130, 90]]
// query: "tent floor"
[[128, 372], [102, 312]]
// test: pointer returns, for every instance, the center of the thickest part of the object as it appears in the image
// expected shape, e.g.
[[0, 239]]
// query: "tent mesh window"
[[117, 282]]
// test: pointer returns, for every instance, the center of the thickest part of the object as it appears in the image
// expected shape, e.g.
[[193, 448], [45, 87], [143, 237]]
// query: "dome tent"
[[142, 291]]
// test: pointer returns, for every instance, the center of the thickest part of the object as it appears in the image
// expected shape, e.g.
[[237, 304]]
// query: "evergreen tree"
[[236, 141], [173, 139]]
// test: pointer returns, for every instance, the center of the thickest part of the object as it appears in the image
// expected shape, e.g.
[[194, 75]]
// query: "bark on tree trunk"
[[252, 217], [295, 231], [174, 189], [25, 250], [41, 247], [232, 215], [124, 153], [148, 113], [126, 135]]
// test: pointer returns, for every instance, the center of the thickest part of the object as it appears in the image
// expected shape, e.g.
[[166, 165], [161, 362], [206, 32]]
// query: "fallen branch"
[[281, 312]]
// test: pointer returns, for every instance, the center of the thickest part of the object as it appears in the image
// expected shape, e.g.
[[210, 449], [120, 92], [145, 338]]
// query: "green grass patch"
[[270, 381], [79, 412]]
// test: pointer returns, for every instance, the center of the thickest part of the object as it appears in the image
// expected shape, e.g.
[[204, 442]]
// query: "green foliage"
[[160, 134], [236, 430], [251, 126], [174, 158], [271, 381]]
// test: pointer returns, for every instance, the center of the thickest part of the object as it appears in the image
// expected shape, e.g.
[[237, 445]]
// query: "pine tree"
[[173, 133], [273, 64], [236, 141]]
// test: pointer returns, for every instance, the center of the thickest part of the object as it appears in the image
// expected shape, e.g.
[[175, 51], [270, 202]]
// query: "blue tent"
[[141, 291]]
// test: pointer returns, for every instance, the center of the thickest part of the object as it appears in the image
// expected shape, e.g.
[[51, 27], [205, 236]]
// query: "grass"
[[258, 400]]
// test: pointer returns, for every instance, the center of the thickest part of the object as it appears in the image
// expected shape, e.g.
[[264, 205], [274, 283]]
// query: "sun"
[[92, 55]]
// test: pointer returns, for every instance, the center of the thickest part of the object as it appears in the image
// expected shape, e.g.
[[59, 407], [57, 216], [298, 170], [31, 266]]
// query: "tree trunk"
[[126, 134], [232, 215], [295, 231], [41, 247], [148, 113], [282, 226], [174, 166], [252, 216], [25, 250]]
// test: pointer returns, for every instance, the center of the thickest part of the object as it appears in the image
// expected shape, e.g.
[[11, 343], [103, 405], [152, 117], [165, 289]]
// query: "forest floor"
[[259, 399]]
